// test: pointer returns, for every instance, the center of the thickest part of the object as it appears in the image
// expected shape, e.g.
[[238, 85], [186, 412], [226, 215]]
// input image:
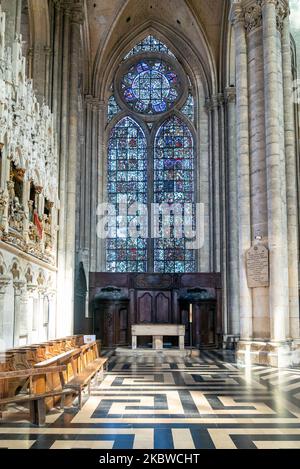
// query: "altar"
[[158, 332]]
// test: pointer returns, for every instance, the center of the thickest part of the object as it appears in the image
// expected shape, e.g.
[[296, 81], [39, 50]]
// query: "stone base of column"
[[230, 341], [277, 354]]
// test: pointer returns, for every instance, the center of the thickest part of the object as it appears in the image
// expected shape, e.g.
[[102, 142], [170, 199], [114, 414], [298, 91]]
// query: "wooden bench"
[[89, 364], [36, 400]]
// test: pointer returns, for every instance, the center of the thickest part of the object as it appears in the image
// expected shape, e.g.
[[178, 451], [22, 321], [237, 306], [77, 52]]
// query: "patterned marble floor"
[[167, 403]]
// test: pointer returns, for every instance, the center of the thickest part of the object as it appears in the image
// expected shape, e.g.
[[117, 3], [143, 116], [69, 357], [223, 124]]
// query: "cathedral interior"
[[149, 224]]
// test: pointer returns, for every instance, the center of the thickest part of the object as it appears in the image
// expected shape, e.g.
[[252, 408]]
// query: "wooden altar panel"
[[162, 307], [144, 306]]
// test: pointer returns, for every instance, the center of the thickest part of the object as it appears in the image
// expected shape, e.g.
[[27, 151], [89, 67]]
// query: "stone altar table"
[[158, 331]]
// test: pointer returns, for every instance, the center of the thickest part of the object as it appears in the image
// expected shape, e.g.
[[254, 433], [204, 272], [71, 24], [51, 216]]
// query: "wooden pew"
[[86, 365], [55, 380], [36, 400], [82, 363]]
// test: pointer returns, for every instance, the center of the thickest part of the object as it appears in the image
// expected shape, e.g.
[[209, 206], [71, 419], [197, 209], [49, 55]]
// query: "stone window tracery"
[[151, 159]]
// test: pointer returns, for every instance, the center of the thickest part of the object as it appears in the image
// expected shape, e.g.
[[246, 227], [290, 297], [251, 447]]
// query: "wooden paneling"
[[144, 306], [157, 298]]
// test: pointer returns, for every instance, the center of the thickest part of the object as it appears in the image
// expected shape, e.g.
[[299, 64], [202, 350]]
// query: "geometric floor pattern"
[[173, 403]]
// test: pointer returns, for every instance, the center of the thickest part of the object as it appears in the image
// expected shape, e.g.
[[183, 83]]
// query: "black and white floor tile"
[[167, 403]]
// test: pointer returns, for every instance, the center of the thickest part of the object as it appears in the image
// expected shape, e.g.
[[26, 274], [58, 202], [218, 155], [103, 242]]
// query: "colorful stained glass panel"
[[189, 108], [174, 188], [150, 87], [113, 108], [127, 184], [149, 44]]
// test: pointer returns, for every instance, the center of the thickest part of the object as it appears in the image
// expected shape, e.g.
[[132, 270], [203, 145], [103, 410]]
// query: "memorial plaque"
[[257, 262]]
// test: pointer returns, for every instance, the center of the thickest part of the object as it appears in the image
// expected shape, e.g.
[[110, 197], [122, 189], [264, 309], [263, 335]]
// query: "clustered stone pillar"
[[4, 282], [216, 183], [232, 207], [242, 126], [267, 191], [277, 235], [69, 20], [291, 175], [71, 163], [18, 292]]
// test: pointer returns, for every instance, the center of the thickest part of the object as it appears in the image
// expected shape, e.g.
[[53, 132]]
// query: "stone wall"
[[28, 204]]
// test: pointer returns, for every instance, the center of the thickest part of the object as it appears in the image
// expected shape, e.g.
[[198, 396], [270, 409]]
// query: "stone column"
[[232, 207], [4, 282], [101, 183], [31, 312], [277, 215], [56, 91], [86, 175], [52, 310], [216, 184], [242, 125], [48, 56], [291, 175], [71, 166], [24, 316], [95, 185], [12, 9], [62, 166], [40, 314], [258, 179], [18, 290], [223, 211]]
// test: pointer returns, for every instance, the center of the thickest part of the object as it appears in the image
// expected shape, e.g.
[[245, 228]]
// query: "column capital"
[[230, 94], [253, 16], [31, 287], [221, 99], [57, 4], [4, 282], [236, 14], [19, 286], [208, 104], [92, 101], [271, 2]]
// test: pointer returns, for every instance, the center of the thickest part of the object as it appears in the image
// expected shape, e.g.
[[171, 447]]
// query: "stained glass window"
[[150, 86], [150, 44], [127, 184], [146, 170], [174, 184], [188, 108], [113, 108]]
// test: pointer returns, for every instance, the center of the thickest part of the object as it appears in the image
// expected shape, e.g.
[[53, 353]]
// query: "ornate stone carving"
[[253, 17], [29, 276], [237, 15], [282, 13], [4, 282], [15, 271], [41, 279], [27, 136], [3, 204]]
